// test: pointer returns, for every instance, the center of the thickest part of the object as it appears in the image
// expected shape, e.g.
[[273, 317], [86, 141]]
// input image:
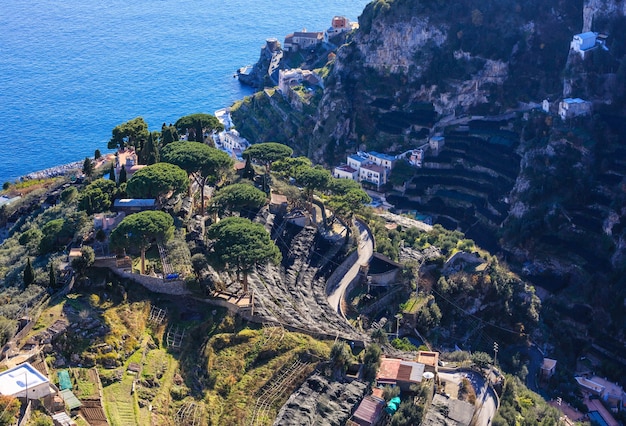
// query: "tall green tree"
[[169, 134], [52, 276], [84, 261], [123, 176], [97, 196], [240, 245], [268, 152], [157, 181], [346, 198], [131, 133], [288, 167], [248, 170], [207, 122], [150, 152], [206, 165], [238, 197], [112, 173], [87, 167], [312, 179], [141, 230], [29, 273]]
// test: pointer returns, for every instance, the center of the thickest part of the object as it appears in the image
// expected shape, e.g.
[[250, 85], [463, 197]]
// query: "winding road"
[[366, 251]]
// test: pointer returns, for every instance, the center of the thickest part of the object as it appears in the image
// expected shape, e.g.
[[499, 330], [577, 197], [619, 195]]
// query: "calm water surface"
[[70, 71]]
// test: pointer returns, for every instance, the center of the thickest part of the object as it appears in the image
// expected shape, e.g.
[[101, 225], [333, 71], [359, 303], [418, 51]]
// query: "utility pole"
[[398, 318], [495, 353]]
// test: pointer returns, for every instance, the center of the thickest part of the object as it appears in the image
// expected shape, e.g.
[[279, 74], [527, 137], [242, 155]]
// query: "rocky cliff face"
[[415, 60], [600, 10]]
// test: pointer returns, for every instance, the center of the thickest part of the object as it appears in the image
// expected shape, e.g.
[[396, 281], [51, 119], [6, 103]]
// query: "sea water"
[[70, 71]]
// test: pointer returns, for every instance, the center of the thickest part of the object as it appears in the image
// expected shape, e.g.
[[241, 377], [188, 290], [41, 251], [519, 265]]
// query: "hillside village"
[[194, 277]]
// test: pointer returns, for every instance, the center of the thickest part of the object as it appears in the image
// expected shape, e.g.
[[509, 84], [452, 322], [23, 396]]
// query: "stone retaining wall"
[[157, 285]]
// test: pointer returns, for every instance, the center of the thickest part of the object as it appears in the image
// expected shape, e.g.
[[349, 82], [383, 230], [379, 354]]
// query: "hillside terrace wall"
[[157, 285]]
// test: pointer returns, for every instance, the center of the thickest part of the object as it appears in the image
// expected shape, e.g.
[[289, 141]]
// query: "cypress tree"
[[53, 277], [122, 178], [248, 170], [97, 154], [29, 273], [112, 173], [166, 135], [87, 167], [151, 151], [199, 132]]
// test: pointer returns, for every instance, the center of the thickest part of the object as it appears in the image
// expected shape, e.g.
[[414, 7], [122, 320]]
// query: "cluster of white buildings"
[[229, 140], [372, 167]]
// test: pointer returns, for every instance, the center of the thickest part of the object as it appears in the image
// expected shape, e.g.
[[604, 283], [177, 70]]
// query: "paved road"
[[366, 251], [486, 404]]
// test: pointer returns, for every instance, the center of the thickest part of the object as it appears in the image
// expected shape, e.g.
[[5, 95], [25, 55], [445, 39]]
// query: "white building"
[[302, 40], [574, 107], [384, 160], [223, 116], [372, 167], [339, 25], [294, 77], [356, 161], [417, 156], [373, 173], [24, 381], [436, 143], [345, 172], [231, 141], [583, 42]]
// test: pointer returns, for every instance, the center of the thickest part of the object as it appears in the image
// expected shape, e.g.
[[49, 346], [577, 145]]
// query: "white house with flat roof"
[[373, 173], [384, 160], [356, 161], [345, 172], [583, 42], [24, 381], [574, 107]]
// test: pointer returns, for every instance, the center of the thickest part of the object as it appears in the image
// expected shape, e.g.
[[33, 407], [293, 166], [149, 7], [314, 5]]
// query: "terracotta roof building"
[[399, 372]]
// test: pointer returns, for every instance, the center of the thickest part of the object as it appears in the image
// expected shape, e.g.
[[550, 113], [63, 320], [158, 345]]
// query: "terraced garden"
[[466, 185], [294, 292]]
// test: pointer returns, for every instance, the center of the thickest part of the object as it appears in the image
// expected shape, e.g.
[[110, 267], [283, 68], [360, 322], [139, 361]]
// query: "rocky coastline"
[[55, 171]]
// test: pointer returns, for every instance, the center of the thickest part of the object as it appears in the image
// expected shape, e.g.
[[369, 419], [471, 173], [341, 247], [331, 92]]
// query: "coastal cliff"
[[547, 191]]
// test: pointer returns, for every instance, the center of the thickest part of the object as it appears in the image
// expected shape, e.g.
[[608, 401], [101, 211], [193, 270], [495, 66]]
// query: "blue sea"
[[70, 71]]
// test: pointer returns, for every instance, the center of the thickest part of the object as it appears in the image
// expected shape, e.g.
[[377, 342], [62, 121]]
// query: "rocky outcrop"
[[594, 10], [321, 402], [392, 48], [265, 71]]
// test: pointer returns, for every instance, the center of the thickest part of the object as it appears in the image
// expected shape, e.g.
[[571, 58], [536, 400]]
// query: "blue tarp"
[[392, 406], [64, 380]]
